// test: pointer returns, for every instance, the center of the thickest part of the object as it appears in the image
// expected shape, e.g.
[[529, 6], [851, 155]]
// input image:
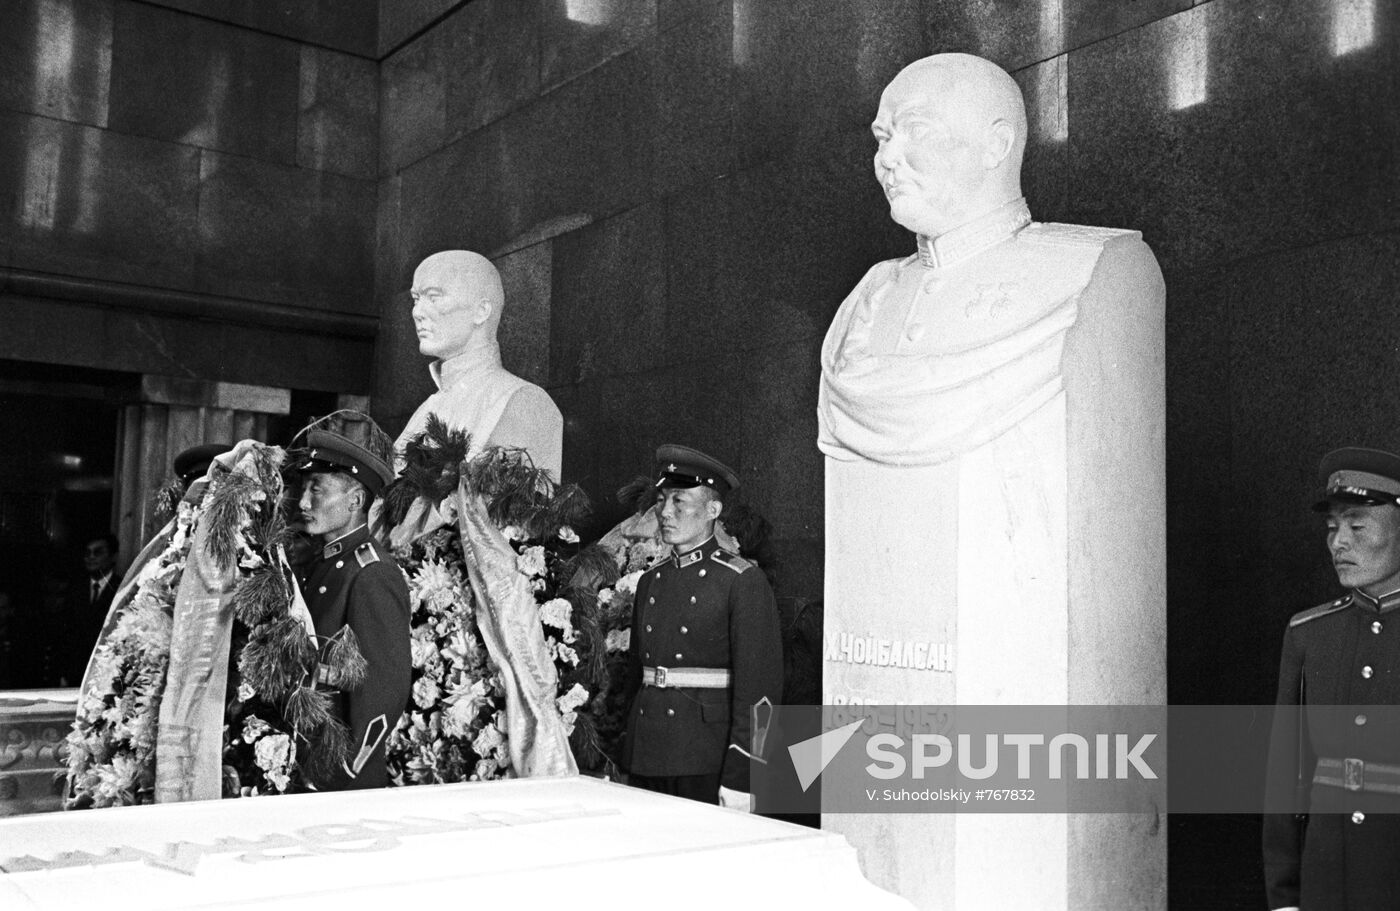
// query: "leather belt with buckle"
[[1358, 775], [704, 678]]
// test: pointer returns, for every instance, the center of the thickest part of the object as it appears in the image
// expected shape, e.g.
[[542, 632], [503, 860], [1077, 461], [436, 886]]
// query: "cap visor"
[[1350, 499]]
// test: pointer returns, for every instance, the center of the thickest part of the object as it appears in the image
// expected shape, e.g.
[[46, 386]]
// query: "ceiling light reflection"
[[1353, 25], [1189, 65]]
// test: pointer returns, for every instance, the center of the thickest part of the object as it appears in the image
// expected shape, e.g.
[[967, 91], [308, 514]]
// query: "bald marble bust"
[[457, 305]]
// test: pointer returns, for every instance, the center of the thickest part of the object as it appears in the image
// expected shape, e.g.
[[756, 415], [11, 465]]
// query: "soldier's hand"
[[731, 799]]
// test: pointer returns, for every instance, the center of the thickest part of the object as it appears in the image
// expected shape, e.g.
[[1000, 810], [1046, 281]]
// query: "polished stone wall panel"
[[1010, 33], [338, 116], [782, 467], [702, 312], [1045, 169], [577, 35], [695, 103], [284, 234], [78, 200], [807, 68], [526, 277], [607, 317], [782, 472], [188, 80], [150, 343], [345, 25], [1234, 129], [56, 58], [429, 218], [494, 49], [695, 404], [413, 102], [400, 20], [805, 230], [1085, 21], [589, 147], [671, 12]]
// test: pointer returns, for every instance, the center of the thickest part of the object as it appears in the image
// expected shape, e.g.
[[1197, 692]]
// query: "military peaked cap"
[[331, 452], [682, 466], [1369, 477], [193, 463]]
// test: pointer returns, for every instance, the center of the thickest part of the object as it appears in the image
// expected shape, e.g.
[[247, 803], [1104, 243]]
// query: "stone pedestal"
[[172, 415], [1028, 569]]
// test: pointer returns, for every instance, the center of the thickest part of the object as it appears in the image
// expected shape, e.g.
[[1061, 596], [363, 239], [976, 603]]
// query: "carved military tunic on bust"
[[939, 352], [478, 395]]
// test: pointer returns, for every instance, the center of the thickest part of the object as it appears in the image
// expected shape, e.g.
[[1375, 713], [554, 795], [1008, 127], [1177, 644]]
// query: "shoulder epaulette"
[[733, 561], [1073, 235], [365, 554], [1322, 610]]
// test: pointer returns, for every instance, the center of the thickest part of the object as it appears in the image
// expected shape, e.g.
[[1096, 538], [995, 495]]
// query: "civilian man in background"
[[705, 649], [74, 629], [1335, 749], [353, 582]]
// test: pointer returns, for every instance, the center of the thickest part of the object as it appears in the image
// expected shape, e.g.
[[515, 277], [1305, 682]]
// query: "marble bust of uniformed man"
[[988, 405], [457, 306]]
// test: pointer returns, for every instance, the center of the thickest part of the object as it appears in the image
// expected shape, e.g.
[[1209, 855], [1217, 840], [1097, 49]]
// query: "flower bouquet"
[[161, 719], [456, 727]]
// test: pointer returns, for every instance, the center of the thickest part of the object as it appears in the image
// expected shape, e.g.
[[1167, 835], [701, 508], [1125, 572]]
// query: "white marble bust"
[[939, 352], [991, 412], [457, 305]]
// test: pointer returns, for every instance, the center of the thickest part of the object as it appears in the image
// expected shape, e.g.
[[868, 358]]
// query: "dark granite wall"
[[168, 180], [679, 194]]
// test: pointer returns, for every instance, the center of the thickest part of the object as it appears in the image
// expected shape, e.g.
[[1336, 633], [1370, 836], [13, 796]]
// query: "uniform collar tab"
[[1385, 603], [339, 544], [694, 555]]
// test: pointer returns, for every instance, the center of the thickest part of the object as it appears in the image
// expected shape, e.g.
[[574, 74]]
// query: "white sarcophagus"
[[562, 842]]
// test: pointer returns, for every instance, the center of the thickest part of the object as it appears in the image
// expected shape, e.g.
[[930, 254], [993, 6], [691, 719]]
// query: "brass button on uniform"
[[1376, 627], [692, 599], [678, 656], [651, 600], [684, 630], [648, 627], [1360, 720], [321, 590], [1358, 817], [339, 564], [670, 711], [1367, 672], [641, 711], [702, 572]]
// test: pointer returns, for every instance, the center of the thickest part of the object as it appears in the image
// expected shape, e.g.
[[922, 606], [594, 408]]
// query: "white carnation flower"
[[531, 561], [557, 613], [425, 692]]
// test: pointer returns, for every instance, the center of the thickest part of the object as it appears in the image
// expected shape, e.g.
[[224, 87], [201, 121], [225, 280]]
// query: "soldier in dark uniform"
[[1335, 750], [706, 646], [354, 582]]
